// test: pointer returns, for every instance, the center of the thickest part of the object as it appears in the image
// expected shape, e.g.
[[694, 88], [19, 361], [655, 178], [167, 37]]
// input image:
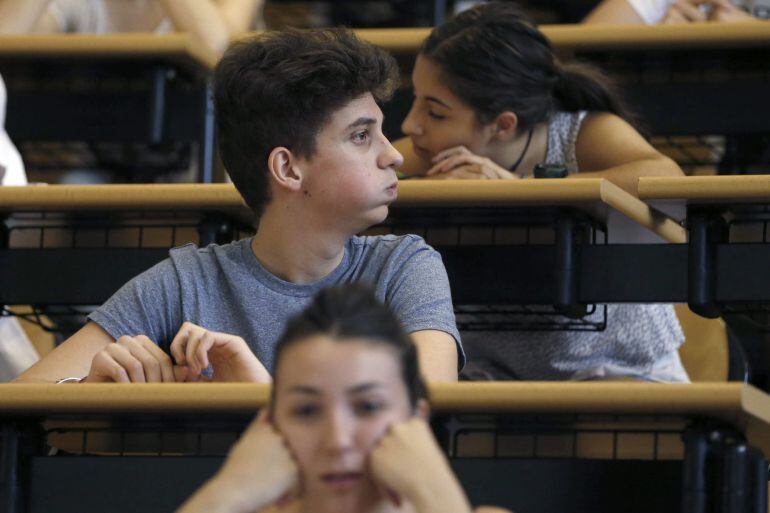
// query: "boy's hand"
[[460, 163], [133, 360], [231, 358], [408, 463]]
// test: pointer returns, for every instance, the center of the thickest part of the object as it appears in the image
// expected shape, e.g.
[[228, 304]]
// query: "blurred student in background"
[[675, 11], [214, 22]]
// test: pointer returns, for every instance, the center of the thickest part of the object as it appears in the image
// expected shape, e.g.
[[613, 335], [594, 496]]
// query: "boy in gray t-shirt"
[[300, 133]]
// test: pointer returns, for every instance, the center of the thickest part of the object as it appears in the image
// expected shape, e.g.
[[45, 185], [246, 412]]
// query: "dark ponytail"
[[584, 87], [495, 59]]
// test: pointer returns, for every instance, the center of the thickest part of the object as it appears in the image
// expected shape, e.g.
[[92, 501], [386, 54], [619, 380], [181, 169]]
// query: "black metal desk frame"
[[98, 99]]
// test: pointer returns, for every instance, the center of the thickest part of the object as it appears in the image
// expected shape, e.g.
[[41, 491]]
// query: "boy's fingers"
[[177, 346], [192, 344], [181, 373], [150, 364], [166, 365], [128, 362], [202, 351], [107, 368]]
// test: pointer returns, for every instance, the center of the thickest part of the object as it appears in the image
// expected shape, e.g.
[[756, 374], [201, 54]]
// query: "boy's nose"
[[390, 156]]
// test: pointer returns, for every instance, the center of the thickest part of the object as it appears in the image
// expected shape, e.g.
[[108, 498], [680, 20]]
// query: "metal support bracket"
[[721, 473], [707, 228], [566, 270]]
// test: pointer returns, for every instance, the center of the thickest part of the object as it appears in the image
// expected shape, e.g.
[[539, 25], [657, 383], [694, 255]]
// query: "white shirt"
[[653, 11], [11, 166]]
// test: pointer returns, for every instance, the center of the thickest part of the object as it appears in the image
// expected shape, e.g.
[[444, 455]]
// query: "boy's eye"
[[361, 136]]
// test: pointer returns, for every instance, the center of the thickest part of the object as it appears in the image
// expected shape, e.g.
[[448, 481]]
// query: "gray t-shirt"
[[225, 288], [640, 341]]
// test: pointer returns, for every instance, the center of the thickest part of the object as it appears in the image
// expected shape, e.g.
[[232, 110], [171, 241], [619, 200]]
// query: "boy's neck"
[[297, 249]]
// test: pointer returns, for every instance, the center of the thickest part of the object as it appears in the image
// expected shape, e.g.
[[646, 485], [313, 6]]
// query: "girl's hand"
[[261, 461], [409, 464], [259, 471], [232, 359], [460, 163]]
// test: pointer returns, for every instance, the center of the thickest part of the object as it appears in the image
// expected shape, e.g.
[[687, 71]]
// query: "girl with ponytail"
[[491, 100]]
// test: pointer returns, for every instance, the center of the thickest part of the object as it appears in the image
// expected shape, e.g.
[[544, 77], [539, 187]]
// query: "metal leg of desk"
[[567, 270], [206, 142], [706, 230], [10, 491], [721, 473], [158, 104], [5, 234], [216, 229], [439, 12], [744, 480]]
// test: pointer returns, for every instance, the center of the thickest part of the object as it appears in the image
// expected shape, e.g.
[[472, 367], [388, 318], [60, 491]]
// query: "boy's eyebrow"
[[436, 100], [362, 121]]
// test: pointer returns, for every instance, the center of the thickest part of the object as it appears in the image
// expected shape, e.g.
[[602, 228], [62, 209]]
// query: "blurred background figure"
[[16, 351], [677, 11], [214, 22], [11, 166]]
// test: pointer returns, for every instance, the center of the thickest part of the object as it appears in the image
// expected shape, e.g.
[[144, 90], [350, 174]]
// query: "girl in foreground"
[[346, 429], [491, 101]]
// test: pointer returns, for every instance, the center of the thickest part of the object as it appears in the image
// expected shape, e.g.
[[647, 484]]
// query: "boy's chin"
[[373, 218]]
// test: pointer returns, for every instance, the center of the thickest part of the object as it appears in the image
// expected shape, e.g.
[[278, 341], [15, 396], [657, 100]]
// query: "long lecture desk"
[[696, 79], [729, 245], [543, 238], [537, 447], [110, 88]]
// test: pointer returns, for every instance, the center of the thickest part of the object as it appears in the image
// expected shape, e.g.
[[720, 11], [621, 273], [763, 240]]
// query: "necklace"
[[524, 151]]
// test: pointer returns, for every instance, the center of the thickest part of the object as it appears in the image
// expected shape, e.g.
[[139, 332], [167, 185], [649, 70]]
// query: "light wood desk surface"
[[607, 37], [180, 49], [742, 406], [729, 401], [594, 194], [706, 189]]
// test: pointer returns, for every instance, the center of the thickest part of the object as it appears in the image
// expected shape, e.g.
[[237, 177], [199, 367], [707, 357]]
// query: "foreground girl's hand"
[[407, 462], [229, 355], [259, 471], [460, 163]]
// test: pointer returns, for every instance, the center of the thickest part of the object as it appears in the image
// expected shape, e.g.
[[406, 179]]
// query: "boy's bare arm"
[[71, 359], [437, 353]]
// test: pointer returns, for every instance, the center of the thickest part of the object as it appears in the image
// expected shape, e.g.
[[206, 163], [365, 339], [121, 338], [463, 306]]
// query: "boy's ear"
[[282, 164], [422, 409], [505, 125]]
